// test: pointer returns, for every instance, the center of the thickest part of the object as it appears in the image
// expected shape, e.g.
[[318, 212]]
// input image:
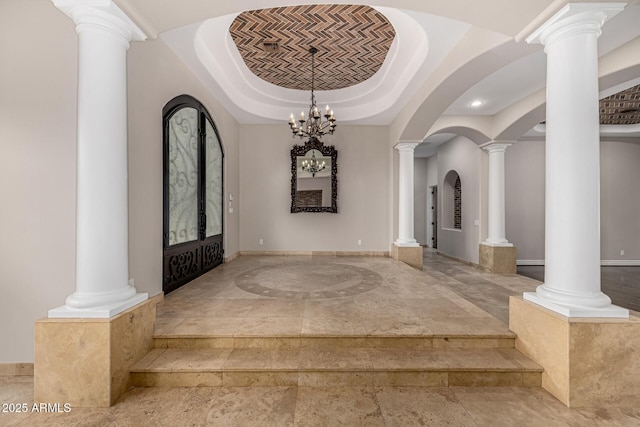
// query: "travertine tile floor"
[[400, 301]]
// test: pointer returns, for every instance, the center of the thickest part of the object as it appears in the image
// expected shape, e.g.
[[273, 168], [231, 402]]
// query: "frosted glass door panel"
[[183, 176], [213, 182]]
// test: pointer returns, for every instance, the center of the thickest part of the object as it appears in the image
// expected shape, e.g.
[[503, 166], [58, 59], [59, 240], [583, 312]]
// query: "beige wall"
[[155, 76], [620, 200], [462, 155], [38, 95], [265, 188], [38, 92], [619, 195], [421, 195], [524, 198]]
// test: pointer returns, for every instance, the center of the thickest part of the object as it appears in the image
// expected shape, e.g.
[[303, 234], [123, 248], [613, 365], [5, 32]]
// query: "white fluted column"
[[572, 162], [405, 194], [102, 257], [496, 207]]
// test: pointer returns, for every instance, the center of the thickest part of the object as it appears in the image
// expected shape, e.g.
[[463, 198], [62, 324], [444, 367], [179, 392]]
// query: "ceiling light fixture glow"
[[476, 103]]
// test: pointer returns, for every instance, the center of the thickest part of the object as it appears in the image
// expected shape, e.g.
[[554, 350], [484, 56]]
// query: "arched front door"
[[193, 188]]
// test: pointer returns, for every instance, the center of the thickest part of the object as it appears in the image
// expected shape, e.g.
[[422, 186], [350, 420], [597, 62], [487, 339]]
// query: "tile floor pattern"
[[406, 301]]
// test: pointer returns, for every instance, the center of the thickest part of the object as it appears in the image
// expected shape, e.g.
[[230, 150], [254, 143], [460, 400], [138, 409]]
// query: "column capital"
[[103, 14], [406, 146], [497, 146], [575, 18]]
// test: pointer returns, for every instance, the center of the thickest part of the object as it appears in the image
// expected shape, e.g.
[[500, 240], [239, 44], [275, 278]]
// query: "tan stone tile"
[[395, 326], [350, 406], [177, 379], [331, 341], [7, 369], [333, 326], [473, 342], [269, 342], [260, 379], [200, 342], [410, 379], [422, 406], [276, 308], [486, 378], [335, 379], [260, 359], [163, 406], [245, 406], [500, 406], [187, 360], [269, 326], [335, 359], [409, 359], [202, 327]]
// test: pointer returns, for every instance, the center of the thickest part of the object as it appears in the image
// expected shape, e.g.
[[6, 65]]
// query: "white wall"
[[363, 199], [38, 92], [462, 155]]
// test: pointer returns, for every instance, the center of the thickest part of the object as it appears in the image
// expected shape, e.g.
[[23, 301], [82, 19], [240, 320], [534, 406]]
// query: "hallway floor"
[[621, 284], [358, 297]]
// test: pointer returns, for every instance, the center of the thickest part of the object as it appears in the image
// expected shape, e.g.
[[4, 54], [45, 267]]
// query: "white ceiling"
[[423, 41]]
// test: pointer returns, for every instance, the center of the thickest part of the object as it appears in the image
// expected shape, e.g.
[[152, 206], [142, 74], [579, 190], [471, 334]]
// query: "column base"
[[500, 259], [411, 255], [103, 312], [87, 362], [612, 311], [587, 362]]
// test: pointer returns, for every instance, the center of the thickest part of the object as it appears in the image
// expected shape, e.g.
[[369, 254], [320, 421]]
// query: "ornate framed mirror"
[[314, 185]]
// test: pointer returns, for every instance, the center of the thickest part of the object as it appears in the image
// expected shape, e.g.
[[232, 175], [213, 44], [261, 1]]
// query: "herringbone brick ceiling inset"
[[352, 43], [622, 108]]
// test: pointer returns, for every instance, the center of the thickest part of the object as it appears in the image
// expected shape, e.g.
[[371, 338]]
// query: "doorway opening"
[[192, 192]]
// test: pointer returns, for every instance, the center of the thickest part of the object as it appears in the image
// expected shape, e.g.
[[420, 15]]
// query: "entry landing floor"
[[292, 296]]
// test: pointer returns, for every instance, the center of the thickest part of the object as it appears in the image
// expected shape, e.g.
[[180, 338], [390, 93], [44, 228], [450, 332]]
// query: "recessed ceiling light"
[[476, 103]]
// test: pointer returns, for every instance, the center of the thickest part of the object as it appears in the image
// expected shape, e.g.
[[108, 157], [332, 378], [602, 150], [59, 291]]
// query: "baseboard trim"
[[604, 262], [16, 369], [232, 257], [317, 253], [620, 262], [530, 262]]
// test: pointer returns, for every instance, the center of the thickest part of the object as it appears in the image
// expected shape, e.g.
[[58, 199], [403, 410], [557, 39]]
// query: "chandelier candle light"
[[313, 126]]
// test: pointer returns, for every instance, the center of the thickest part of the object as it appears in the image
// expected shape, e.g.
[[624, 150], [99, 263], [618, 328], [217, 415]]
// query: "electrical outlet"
[[359, 242], [261, 242]]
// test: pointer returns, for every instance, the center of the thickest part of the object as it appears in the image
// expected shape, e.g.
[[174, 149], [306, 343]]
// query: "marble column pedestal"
[[498, 259], [411, 255], [87, 362], [588, 362]]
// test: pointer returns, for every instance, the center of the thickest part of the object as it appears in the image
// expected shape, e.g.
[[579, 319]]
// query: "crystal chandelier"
[[313, 126], [313, 166]]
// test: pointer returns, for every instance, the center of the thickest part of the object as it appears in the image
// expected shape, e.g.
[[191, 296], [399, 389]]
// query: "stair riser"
[[337, 379], [334, 342]]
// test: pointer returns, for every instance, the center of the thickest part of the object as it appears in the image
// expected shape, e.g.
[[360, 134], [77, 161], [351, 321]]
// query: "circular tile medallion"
[[308, 281]]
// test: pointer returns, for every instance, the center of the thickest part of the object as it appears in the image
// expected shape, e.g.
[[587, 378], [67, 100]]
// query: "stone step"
[[372, 366], [499, 341]]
